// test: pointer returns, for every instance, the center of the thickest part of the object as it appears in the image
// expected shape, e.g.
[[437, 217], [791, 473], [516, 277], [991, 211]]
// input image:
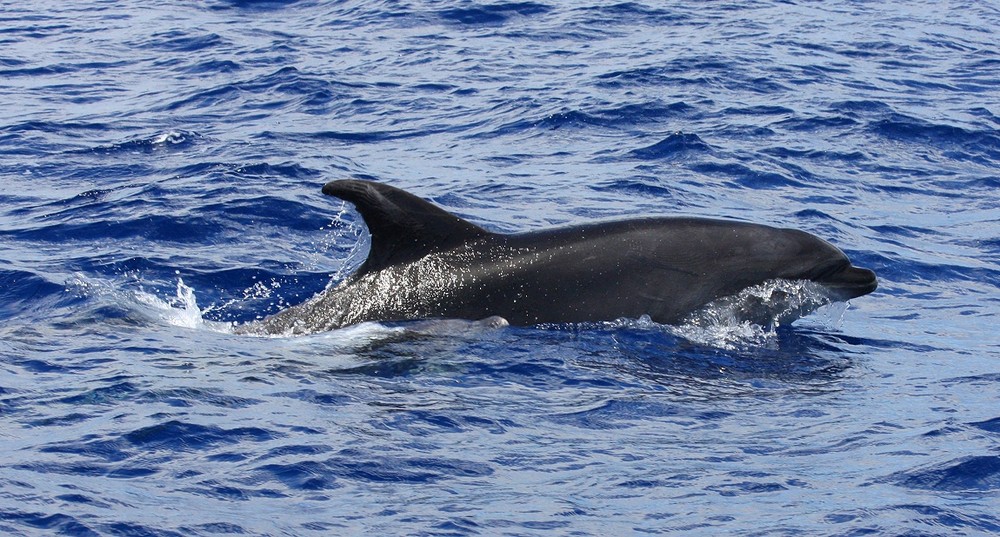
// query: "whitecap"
[[169, 137]]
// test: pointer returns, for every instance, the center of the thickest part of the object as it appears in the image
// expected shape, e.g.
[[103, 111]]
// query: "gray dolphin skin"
[[426, 263]]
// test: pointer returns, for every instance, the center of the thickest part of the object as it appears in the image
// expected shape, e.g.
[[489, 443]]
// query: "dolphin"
[[426, 263]]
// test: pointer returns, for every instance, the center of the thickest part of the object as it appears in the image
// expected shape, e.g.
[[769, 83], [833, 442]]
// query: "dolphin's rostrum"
[[426, 263]]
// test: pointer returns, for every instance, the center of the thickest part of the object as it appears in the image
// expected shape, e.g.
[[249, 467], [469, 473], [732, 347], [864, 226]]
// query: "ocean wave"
[[57, 522], [22, 291], [747, 177], [167, 141], [266, 5], [492, 14], [965, 474], [674, 146], [177, 41]]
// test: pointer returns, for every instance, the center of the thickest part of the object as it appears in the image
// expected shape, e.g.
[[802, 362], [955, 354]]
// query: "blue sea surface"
[[160, 175]]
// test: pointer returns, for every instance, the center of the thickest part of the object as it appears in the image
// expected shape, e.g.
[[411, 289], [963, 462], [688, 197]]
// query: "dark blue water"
[[160, 174]]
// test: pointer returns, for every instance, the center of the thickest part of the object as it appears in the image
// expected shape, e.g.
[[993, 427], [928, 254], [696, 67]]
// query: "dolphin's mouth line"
[[846, 281]]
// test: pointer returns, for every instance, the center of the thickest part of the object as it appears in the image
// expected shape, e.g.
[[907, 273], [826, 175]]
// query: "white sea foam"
[[751, 317], [170, 137]]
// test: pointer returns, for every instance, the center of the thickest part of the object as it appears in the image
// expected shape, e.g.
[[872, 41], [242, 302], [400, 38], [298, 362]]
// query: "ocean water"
[[160, 175]]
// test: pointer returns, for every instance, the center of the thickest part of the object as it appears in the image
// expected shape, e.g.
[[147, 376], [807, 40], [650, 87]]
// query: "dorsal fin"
[[403, 227]]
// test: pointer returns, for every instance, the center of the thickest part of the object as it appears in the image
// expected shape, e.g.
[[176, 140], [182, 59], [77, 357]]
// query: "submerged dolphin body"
[[426, 263]]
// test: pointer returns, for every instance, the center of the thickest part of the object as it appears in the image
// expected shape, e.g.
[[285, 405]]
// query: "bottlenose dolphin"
[[426, 263]]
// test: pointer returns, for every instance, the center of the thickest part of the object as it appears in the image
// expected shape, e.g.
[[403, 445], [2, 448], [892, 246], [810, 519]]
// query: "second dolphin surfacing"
[[426, 263]]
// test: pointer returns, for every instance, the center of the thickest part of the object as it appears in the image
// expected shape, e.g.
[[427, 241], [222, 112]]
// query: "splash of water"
[[180, 310], [751, 317], [359, 240]]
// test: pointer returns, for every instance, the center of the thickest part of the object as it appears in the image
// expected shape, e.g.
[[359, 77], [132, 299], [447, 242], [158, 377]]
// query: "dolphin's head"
[[793, 274], [821, 262]]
